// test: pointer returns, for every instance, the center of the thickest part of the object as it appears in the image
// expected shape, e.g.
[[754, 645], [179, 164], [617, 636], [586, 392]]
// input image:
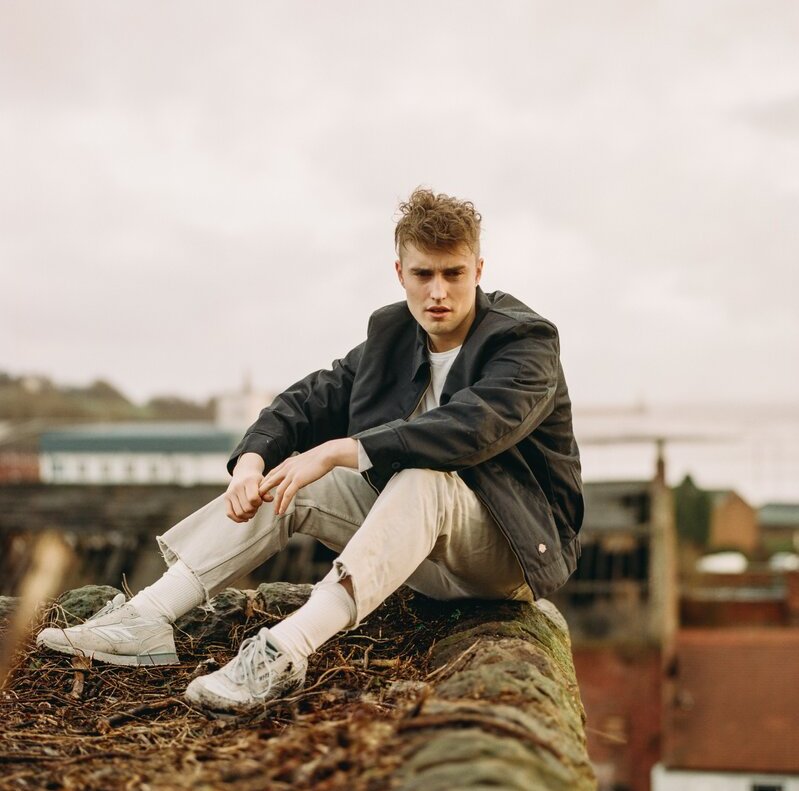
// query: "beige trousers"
[[426, 529]]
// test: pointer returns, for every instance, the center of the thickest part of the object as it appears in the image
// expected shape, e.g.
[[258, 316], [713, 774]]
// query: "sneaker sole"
[[127, 660], [218, 707]]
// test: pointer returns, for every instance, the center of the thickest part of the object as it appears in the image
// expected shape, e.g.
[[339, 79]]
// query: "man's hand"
[[298, 471], [242, 498]]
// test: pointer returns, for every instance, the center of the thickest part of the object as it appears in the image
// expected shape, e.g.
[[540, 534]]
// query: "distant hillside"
[[25, 398]]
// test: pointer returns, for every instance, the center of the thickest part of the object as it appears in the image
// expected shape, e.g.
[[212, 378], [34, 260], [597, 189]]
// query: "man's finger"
[[231, 513], [270, 481], [229, 508], [288, 496], [244, 511], [252, 494], [279, 493]]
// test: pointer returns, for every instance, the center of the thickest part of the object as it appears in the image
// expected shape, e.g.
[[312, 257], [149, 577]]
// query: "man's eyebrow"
[[449, 270]]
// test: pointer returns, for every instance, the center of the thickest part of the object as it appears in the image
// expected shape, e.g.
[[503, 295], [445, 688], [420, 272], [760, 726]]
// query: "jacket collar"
[[420, 358]]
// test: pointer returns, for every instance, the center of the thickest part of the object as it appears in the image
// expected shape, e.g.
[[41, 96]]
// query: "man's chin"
[[436, 331], [439, 326]]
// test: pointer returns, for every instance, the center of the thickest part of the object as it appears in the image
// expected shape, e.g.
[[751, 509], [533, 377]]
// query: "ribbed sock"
[[329, 610], [175, 593]]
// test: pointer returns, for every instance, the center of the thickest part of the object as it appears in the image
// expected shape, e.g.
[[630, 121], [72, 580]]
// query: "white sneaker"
[[261, 671], [118, 635]]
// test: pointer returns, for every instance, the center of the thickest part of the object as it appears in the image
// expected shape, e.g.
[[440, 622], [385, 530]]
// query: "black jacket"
[[504, 423]]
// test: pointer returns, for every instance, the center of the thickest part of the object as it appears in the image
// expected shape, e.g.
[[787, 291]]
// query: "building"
[[757, 597], [236, 411], [18, 467], [186, 454], [19, 452], [624, 586], [779, 526], [731, 712], [621, 607], [733, 523]]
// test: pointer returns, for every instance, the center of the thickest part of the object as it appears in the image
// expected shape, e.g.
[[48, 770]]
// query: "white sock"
[[175, 593], [329, 610]]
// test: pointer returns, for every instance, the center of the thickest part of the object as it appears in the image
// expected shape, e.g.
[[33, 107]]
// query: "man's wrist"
[[250, 462], [344, 452]]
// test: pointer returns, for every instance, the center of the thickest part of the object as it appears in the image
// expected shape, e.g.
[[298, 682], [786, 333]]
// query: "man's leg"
[[423, 528], [429, 530], [205, 553]]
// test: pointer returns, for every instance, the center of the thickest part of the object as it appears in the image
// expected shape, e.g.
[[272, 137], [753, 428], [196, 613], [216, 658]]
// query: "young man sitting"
[[438, 453]]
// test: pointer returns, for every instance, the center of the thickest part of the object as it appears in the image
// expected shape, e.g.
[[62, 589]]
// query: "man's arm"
[[514, 394], [309, 413]]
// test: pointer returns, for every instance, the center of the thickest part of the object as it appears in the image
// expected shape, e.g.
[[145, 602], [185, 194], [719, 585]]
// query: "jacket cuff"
[[266, 447], [384, 447], [364, 462]]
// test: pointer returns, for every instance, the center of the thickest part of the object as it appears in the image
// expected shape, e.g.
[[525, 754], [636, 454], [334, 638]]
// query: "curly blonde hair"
[[437, 222]]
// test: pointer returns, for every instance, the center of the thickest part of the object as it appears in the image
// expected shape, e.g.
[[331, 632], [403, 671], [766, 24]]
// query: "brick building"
[[733, 523], [731, 711]]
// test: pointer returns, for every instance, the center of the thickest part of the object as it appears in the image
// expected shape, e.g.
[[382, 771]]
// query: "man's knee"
[[417, 476], [414, 484]]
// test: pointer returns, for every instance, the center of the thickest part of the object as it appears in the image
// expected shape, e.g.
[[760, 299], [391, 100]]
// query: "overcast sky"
[[192, 190]]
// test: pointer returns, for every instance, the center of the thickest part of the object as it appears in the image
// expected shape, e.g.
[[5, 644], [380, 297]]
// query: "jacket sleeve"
[[311, 411], [514, 393]]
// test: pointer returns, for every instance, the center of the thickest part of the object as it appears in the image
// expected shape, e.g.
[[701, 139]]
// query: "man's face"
[[441, 291]]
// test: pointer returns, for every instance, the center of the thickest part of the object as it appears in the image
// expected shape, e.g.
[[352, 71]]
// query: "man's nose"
[[438, 288]]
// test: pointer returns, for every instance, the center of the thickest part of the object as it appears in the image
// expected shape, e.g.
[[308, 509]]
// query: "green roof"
[[779, 515], [140, 438]]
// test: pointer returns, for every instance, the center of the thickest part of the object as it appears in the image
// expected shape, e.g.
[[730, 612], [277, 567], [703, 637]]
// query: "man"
[[439, 453]]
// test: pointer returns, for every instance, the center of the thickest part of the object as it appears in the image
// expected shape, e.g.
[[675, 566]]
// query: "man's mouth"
[[438, 310]]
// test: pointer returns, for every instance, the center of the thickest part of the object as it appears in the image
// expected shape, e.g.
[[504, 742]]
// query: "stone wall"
[[423, 696]]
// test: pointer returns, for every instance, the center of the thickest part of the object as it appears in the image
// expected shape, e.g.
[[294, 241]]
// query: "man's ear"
[[398, 267], [479, 272]]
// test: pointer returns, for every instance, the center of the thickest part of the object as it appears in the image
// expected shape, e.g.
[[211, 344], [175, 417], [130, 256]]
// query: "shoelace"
[[110, 606], [254, 651]]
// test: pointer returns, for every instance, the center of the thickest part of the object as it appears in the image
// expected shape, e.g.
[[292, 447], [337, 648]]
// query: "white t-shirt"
[[440, 363]]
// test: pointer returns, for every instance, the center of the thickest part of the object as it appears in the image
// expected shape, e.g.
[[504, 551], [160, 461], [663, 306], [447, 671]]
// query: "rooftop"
[[734, 702], [161, 437], [779, 515]]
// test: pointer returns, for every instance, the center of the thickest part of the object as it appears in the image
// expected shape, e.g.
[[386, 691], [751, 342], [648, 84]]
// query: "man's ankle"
[[329, 610], [175, 593]]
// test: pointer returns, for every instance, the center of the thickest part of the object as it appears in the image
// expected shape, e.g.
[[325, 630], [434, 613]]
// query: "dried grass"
[[70, 725]]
